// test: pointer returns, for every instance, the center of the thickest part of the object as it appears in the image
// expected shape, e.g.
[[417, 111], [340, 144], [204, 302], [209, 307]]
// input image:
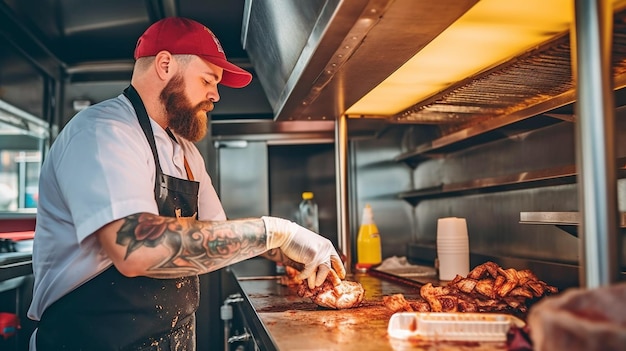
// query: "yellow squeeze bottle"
[[368, 246]]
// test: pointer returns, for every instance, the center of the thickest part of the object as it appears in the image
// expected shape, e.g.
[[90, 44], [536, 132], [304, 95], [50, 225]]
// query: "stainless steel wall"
[[258, 178], [304, 167], [376, 179], [243, 178], [493, 217]]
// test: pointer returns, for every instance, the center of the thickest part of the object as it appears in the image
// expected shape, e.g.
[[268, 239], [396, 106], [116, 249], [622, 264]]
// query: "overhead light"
[[490, 33]]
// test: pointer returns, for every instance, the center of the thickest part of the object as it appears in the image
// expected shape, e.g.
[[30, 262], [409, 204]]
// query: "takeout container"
[[452, 326]]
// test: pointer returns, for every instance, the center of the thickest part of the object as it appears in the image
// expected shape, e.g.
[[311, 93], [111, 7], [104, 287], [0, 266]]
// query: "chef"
[[128, 218]]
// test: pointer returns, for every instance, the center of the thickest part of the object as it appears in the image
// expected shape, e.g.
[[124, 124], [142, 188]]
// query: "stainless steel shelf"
[[483, 132], [567, 221], [544, 177], [530, 179], [15, 264]]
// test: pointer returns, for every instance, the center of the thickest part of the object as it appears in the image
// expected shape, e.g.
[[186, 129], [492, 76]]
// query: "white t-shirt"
[[100, 169]]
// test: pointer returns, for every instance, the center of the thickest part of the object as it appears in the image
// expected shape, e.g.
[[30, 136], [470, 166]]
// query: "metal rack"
[[566, 221]]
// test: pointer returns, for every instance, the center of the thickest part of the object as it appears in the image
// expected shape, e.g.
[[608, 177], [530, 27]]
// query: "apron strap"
[[144, 121], [188, 169]]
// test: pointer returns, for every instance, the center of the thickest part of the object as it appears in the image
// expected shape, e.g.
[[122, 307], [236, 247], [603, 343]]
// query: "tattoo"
[[194, 247]]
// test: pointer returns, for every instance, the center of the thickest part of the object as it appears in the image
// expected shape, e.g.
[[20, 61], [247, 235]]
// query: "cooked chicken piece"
[[482, 270], [478, 272], [492, 268], [456, 279], [515, 302], [436, 290], [466, 285], [491, 305], [525, 275], [551, 289], [506, 288], [448, 303], [522, 291], [485, 288], [498, 282], [420, 306], [345, 295], [290, 277], [467, 306], [510, 274], [488, 303], [397, 303], [536, 287], [431, 293]]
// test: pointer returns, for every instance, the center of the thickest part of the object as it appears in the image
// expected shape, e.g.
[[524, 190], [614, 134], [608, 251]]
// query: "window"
[[23, 141]]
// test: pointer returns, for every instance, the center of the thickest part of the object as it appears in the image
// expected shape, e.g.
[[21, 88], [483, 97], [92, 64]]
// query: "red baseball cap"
[[182, 36]]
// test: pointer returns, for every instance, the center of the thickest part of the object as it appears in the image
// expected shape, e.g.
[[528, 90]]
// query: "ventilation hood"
[[318, 59]]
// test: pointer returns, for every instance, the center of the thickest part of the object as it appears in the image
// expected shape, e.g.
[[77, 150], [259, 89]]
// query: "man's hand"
[[321, 260]]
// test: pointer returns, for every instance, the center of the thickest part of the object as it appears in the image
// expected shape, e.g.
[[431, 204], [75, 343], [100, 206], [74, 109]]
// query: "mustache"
[[205, 105]]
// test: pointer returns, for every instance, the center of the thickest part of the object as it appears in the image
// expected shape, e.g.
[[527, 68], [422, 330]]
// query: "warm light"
[[491, 32]]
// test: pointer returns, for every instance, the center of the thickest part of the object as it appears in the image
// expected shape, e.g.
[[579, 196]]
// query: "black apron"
[[114, 312]]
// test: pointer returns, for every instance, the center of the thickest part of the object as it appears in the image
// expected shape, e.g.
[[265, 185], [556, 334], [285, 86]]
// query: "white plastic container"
[[452, 248], [452, 326]]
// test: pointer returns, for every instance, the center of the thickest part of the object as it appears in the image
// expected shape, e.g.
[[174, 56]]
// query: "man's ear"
[[164, 63]]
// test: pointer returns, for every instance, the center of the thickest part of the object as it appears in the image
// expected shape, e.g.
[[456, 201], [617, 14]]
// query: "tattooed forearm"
[[193, 246]]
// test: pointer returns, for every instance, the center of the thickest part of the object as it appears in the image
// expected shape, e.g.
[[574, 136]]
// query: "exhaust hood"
[[322, 59], [488, 34], [317, 58]]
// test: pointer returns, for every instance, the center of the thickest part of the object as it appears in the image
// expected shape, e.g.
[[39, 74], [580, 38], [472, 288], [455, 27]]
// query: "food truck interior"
[[421, 109]]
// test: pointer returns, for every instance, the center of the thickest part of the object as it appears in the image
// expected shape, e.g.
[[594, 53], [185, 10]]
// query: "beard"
[[190, 122]]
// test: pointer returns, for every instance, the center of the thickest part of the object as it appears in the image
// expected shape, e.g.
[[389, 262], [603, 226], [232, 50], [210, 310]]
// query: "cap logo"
[[217, 42]]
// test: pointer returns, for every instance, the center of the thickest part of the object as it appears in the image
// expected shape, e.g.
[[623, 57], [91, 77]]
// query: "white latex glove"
[[317, 253]]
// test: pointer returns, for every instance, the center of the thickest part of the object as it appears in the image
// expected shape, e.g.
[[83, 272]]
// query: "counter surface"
[[295, 323], [15, 264]]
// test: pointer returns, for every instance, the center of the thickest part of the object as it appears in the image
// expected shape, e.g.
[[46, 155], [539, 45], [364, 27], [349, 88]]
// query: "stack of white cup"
[[452, 247]]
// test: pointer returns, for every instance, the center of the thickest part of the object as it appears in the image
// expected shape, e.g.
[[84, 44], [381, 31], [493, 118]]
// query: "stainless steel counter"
[[290, 322], [15, 264]]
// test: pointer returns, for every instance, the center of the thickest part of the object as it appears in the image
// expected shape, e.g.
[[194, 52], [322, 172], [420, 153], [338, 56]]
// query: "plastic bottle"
[[368, 247], [308, 212]]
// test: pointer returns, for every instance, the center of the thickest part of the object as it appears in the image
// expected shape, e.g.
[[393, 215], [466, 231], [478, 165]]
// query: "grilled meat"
[[522, 291], [397, 303], [466, 285], [345, 295], [434, 296], [290, 277], [487, 288], [481, 271]]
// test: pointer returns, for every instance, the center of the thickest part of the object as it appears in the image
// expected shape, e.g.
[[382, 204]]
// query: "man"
[[128, 217]]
